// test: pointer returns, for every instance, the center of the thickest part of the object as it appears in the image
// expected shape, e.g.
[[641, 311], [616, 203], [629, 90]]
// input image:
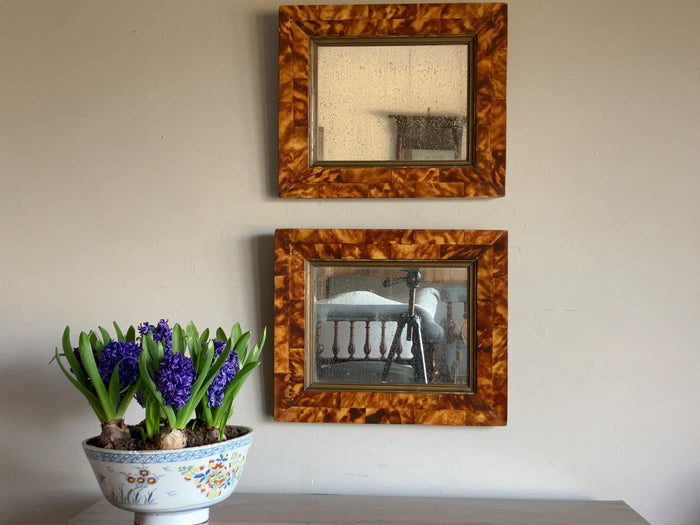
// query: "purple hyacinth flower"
[[226, 373], [124, 353], [161, 332], [174, 379]]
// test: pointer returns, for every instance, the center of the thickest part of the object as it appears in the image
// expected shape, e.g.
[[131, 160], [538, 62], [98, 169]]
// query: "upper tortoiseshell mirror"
[[392, 100]]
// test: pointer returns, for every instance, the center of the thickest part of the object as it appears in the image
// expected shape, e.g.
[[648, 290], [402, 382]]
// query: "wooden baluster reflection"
[[451, 336], [400, 348], [448, 324], [334, 348], [351, 342], [319, 342], [368, 345]]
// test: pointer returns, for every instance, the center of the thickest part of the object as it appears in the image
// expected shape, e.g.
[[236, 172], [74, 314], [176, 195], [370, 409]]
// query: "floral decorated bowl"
[[173, 487]]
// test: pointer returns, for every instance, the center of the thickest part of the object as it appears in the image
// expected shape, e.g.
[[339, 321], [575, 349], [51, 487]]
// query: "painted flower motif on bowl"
[[220, 472]]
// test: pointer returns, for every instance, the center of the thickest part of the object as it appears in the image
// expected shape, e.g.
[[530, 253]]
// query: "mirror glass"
[[391, 99], [390, 324]]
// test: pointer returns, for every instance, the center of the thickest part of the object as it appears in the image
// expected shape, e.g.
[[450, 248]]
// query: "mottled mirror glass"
[[390, 325], [391, 100]]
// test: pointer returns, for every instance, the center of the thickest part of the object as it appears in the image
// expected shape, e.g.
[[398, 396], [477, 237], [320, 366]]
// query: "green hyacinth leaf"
[[241, 348], [236, 332], [178, 339], [72, 359], [126, 398], [114, 388], [257, 349], [90, 366], [230, 393], [87, 393], [204, 336], [118, 331], [191, 331], [106, 338], [152, 418]]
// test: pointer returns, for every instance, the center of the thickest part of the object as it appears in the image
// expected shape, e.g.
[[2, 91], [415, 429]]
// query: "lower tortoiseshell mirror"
[[391, 326]]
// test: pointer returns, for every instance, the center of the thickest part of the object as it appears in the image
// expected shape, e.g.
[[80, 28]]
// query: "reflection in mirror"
[[430, 138], [391, 99], [391, 324]]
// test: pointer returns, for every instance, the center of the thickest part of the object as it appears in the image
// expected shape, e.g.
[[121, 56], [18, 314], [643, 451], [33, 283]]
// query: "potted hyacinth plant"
[[182, 457]]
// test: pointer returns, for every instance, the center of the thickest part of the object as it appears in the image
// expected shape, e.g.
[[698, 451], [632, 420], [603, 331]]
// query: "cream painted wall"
[[138, 180]]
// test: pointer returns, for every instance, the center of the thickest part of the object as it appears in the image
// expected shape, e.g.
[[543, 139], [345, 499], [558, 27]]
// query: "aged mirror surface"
[[392, 100], [391, 326]]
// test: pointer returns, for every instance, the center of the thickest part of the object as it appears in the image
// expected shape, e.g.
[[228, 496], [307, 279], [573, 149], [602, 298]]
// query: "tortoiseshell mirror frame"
[[487, 22], [488, 249]]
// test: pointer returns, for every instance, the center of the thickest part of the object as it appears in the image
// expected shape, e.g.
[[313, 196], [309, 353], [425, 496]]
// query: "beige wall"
[[138, 180]]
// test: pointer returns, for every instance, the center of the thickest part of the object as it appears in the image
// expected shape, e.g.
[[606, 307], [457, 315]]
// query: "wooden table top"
[[293, 509]]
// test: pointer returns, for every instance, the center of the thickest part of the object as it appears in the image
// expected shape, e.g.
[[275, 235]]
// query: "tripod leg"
[[420, 375], [394, 347]]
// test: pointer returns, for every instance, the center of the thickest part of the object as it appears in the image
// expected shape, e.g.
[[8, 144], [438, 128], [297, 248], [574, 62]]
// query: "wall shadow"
[[263, 278], [37, 404], [267, 47]]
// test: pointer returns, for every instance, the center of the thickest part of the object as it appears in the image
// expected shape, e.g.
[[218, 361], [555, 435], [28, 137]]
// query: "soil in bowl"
[[196, 436]]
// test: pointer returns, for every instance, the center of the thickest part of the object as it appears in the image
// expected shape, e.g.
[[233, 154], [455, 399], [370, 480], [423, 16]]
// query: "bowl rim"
[[110, 455]]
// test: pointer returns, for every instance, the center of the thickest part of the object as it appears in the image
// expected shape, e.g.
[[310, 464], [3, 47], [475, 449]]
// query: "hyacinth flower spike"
[[106, 373], [216, 408], [173, 383]]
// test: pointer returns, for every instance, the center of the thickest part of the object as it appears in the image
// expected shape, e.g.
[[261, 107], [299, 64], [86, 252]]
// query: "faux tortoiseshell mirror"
[[392, 100], [391, 326]]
